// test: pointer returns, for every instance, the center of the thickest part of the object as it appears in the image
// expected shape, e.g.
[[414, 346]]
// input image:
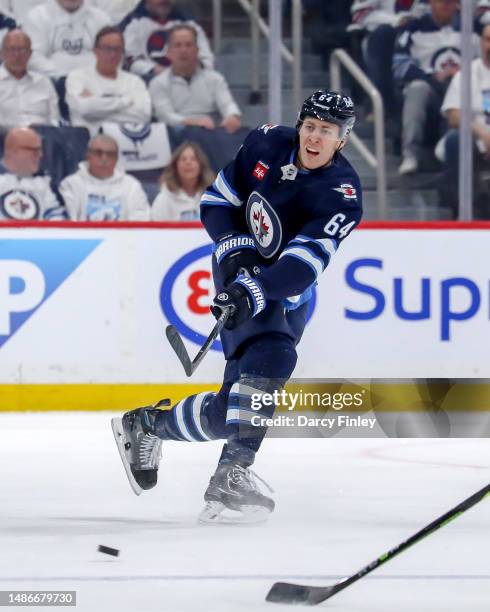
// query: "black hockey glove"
[[236, 254], [245, 297]]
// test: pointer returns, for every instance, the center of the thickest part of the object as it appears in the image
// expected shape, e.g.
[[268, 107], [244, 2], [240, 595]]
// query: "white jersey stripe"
[[328, 245], [221, 185], [306, 256], [210, 197]]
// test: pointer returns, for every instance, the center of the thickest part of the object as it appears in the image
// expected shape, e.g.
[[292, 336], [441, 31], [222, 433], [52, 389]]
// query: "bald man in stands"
[[26, 195], [26, 97]]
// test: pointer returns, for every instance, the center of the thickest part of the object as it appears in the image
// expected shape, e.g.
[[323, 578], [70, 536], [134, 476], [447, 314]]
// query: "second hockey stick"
[[178, 346], [285, 592]]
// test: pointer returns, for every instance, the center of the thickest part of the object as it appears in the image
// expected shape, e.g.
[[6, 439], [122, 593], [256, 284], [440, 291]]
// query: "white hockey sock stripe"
[[240, 404], [196, 413], [243, 390], [239, 415], [180, 421]]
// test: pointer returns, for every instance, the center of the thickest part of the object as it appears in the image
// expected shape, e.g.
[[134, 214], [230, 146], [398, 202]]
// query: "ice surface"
[[340, 503]]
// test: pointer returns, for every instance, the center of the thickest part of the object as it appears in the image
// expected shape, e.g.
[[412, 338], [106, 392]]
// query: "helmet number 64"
[[334, 226]]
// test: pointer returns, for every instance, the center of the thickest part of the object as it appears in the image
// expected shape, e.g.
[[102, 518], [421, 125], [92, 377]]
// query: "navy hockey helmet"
[[329, 106]]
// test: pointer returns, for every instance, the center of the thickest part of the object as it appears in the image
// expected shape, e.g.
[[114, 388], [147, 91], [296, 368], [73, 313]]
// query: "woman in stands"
[[182, 184]]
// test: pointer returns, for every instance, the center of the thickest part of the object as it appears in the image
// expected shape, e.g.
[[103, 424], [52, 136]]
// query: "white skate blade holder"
[[118, 431], [216, 513]]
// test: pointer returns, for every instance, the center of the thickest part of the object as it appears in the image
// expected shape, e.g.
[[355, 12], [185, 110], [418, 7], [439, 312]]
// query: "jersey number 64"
[[334, 226]]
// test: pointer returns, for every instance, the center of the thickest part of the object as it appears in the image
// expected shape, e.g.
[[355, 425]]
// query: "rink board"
[[83, 311]]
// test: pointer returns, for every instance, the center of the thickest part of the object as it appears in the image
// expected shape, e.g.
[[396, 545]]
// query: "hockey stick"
[[178, 345], [285, 592]]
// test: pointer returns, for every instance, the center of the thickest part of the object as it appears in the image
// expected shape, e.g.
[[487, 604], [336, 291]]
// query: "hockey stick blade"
[[176, 343], [287, 593]]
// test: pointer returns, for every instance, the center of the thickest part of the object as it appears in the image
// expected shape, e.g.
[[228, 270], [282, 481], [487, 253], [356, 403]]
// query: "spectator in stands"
[[146, 35], [6, 24], [24, 194], [183, 182], [480, 84], [62, 34], [325, 24], [187, 94], [100, 190], [482, 12], [116, 9], [18, 9], [380, 19], [427, 55], [26, 97], [105, 92]]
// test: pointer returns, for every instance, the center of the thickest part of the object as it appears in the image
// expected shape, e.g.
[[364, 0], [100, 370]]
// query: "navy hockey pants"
[[262, 364]]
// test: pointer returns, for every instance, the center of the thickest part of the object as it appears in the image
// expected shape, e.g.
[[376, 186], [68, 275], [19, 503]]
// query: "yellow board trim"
[[121, 397], [390, 397]]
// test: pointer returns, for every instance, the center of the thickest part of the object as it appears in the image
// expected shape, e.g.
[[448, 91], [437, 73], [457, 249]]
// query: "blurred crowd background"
[[120, 110]]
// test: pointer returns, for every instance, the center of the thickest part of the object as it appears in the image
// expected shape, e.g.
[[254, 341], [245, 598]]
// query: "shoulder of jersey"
[[270, 134], [344, 181], [345, 167]]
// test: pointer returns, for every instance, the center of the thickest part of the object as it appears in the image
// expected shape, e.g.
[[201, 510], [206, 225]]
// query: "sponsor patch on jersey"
[[19, 205], [264, 225], [260, 170], [347, 190]]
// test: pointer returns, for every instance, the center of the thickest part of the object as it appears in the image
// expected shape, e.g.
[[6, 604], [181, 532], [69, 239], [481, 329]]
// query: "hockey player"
[[277, 214]]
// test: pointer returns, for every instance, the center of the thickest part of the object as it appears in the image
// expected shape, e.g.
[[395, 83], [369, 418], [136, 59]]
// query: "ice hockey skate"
[[233, 496], [140, 449]]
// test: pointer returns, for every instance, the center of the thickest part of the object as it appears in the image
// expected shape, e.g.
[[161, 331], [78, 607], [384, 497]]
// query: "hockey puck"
[[108, 551]]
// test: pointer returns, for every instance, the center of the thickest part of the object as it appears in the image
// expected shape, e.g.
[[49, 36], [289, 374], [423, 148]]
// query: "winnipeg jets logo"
[[264, 224], [136, 131], [448, 58], [261, 224], [19, 205], [347, 191]]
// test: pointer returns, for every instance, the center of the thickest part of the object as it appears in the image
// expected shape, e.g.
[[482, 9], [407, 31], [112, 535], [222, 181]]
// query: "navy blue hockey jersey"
[[297, 218]]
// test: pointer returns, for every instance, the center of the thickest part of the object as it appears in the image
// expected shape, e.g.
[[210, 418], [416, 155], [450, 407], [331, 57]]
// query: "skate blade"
[[216, 513], [118, 431]]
